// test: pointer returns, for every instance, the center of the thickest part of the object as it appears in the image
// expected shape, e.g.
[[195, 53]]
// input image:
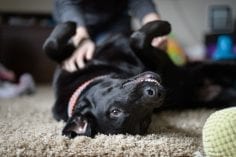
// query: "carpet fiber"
[[28, 129]]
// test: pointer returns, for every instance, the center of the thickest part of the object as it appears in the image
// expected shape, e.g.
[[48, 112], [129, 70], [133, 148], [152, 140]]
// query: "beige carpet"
[[28, 129]]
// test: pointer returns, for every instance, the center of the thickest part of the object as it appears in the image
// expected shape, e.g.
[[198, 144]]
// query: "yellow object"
[[175, 51], [219, 134]]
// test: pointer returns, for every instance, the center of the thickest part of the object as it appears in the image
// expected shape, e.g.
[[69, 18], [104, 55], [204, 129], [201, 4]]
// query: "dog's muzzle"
[[149, 86]]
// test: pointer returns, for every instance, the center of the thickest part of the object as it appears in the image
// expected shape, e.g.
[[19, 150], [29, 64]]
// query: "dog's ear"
[[77, 126], [58, 45], [142, 38]]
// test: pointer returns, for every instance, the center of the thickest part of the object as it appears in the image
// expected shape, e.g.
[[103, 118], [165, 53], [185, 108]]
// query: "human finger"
[[79, 59], [90, 52]]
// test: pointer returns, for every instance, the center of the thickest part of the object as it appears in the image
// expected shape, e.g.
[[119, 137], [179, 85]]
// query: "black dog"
[[119, 89]]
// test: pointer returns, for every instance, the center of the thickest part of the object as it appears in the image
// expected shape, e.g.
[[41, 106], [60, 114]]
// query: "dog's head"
[[112, 105]]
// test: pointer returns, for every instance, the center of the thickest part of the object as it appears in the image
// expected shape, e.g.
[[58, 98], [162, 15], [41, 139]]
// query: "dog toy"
[[175, 51], [219, 134], [224, 48]]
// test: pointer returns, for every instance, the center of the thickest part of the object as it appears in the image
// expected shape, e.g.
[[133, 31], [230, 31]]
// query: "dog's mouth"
[[147, 86], [142, 78]]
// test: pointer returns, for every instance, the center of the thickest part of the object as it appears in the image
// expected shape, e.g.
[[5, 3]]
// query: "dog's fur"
[[127, 85]]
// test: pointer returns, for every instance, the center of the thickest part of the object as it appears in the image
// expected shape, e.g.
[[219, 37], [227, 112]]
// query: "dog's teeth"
[[143, 80], [149, 80], [152, 80]]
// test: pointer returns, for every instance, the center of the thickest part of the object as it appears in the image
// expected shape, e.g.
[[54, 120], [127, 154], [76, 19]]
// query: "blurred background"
[[199, 27]]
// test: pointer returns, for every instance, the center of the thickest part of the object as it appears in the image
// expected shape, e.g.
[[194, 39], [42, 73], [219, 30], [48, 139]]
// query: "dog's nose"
[[151, 92]]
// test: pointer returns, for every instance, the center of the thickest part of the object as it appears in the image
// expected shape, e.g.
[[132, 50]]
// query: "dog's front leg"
[[140, 42], [58, 45]]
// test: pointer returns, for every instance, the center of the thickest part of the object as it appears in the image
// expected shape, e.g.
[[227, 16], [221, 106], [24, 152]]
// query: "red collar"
[[77, 92]]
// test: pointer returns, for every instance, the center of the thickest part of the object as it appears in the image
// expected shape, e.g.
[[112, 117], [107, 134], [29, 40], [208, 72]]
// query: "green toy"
[[175, 51], [219, 134]]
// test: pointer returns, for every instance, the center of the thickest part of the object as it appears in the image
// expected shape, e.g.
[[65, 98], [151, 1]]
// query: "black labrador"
[[127, 79]]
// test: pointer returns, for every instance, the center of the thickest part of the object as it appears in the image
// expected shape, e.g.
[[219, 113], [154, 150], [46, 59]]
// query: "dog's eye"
[[115, 113]]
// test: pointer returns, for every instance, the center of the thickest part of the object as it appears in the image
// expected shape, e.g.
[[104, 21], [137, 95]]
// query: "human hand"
[[81, 55], [160, 42]]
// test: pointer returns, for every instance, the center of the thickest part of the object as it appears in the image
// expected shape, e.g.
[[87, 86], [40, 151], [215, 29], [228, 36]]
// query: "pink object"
[[78, 91]]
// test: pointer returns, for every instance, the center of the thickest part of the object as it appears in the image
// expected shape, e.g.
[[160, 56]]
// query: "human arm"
[[68, 10]]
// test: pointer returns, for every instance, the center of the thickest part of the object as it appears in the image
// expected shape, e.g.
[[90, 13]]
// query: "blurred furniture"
[[221, 18], [21, 40]]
